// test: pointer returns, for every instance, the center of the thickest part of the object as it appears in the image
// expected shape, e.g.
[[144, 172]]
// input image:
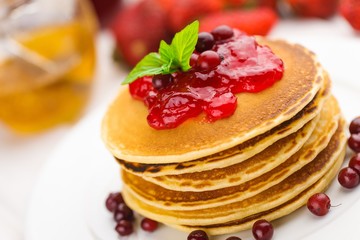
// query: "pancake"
[[275, 213], [242, 151], [162, 198], [236, 174], [257, 165], [277, 195], [125, 120]]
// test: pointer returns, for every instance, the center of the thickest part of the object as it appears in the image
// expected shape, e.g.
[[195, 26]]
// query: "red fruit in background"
[[350, 10], [314, 8], [183, 12], [234, 3], [268, 3], [256, 21], [250, 3], [138, 30], [166, 5], [106, 9]]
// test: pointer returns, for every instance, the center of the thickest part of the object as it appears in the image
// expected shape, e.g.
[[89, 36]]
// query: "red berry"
[[193, 59], [222, 32], [123, 212], [350, 10], [149, 225], [208, 60], [233, 238], [319, 204], [198, 235], [354, 142], [113, 200], [355, 163], [348, 177], [262, 230], [124, 228], [205, 42], [161, 81], [355, 126]]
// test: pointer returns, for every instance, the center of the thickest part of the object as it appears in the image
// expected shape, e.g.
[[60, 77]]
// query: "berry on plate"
[[319, 204], [262, 230], [348, 177], [355, 163], [354, 142], [149, 225], [198, 235]]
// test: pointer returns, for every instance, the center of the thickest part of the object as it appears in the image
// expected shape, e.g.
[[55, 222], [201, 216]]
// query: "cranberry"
[[193, 59], [208, 60], [198, 235], [149, 225], [355, 125], [355, 163], [123, 212], [124, 228], [205, 42], [161, 81], [348, 177], [233, 238], [262, 230], [113, 200], [319, 204], [354, 142], [222, 32]]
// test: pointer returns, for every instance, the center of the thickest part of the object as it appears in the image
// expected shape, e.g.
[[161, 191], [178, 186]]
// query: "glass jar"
[[47, 62]]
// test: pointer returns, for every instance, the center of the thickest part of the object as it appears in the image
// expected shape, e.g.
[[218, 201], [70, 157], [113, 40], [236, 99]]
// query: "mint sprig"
[[170, 58]]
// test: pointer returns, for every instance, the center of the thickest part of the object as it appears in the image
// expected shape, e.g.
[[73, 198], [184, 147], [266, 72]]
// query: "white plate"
[[68, 202]]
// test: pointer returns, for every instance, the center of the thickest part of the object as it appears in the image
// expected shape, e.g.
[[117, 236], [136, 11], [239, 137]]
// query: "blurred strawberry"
[[257, 21], [250, 3], [166, 5], [234, 3], [185, 11], [314, 8], [350, 10], [138, 30], [268, 3]]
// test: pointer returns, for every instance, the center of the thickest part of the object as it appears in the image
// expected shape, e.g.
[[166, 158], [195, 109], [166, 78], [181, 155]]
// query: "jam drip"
[[245, 66]]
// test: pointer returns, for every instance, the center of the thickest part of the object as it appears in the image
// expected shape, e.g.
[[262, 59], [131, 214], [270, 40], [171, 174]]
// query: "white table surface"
[[21, 158]]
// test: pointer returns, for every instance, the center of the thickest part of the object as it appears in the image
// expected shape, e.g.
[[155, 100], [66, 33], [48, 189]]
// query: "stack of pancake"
[[281, 146]]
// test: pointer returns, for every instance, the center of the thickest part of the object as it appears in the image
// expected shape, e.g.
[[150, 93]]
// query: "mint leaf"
[[183, 45], [170, 58], [150, 65], [166, 52], [167, 67], [167, 56]]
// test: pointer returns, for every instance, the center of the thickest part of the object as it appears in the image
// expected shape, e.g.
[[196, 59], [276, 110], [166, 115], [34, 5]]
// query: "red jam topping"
[[234, 65]]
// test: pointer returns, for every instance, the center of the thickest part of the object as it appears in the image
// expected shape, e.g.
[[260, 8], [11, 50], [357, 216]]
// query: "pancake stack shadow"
[[281, 146]]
